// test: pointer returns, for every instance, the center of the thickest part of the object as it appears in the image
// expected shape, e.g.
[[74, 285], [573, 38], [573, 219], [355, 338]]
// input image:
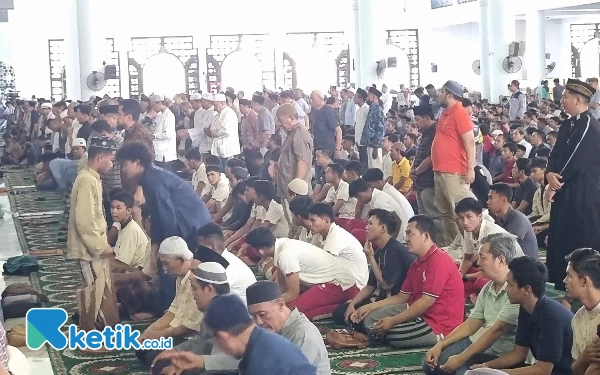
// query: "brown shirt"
[[298, 146], [249, 130], [136, 133]]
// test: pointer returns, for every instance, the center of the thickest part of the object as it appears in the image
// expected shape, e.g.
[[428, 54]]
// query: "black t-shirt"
[[547, 333], [394, 261], [525, 192], [85, 131]]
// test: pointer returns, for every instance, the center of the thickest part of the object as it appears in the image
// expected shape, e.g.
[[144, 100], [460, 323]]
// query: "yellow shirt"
[[399, 170], [184, 305], [132, 245]]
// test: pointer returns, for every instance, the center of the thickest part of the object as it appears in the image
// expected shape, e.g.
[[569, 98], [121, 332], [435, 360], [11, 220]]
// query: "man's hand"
[[452, 364], [187, 361], [375, 154], [108, 250], [361, 313], [368, 249], [483, 365], [383, 325], [470, 176], [591, 354], [433, 356], [164, 355], [549, 195], [207, 131], [171, 370], [554, 180], [349, 311], [183, 134], [540, 228], [336, 154]]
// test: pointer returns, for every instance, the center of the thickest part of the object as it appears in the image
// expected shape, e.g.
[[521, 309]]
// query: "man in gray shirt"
[[270, 312], [266, 122], [557, 91], [595, 100]]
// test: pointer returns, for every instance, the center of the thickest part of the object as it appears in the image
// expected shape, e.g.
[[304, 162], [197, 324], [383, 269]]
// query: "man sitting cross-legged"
[[583, 284], [182, 318], [218, 191], [207, 281], [389, 260], [430, 304], [269, 311], [239, 275], [544, 325], [489, 332], [131, 249], [313, 280]]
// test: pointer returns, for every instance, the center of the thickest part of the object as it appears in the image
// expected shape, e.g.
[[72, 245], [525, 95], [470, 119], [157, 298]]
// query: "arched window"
[[590, 59], [164, 74], [243, 71]]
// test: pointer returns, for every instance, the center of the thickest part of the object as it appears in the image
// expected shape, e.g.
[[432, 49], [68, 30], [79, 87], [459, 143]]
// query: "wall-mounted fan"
[[476, 66], [512, 64], [550, 67], [96, 81]]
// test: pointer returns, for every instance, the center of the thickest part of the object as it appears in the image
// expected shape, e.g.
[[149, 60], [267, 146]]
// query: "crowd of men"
[[387, 215]]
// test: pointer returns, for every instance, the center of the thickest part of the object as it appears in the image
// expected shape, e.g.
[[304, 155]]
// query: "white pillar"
[[502, 33], [91, 43], [484, 38], [71, 51], [364, 43], [535, 50]]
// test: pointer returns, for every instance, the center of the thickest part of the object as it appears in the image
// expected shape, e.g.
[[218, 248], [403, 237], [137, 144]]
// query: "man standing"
[[165, 137], [266, 123], [87, 242], [350, 109], [453, 157], [517, 103], [224, 131], [557, 91], [422, 172], [202, 120], [372, 134], [573, 176], [360, 99], [325, 127]]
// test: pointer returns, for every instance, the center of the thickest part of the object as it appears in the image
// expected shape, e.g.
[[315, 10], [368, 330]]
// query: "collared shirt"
[[361, 119], [424, 180], [323, 126], [249, 129], [517, 224], [525, 193], [266, 123], [226, 142], [434, 274], [547, 345], [132, 245], [394, 260], [350, 113], [298, 145], [165, 137], [402, 169], [372, 134], [385, 201], [184, 305], [284, 357], [585, 325], [497, 164], [86, 235], [220, 191], [448, 153], [305, 335], [471, 245], [595, 100], [202, 120], [198, 176], [348, 208], [239, 275], [527, 147], [541, 207], [494, 305], [517, 104]]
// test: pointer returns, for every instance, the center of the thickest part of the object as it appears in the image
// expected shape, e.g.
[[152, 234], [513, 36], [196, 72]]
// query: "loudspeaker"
[[110, 72], [434, 68], [547, 56], [521, 51], [392, 62]]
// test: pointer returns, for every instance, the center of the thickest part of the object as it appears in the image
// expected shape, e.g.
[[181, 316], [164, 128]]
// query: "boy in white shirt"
[[194, 162], [386, 146], [343, 205], [219, 189], [131, 248]]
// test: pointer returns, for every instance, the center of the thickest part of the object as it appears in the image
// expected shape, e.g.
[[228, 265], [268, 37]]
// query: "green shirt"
[[490, 306]]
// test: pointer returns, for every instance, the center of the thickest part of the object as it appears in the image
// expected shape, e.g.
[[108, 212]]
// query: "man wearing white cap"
[[224, 131], [65, 170], [165, 137], [183, 317], [46, 111]]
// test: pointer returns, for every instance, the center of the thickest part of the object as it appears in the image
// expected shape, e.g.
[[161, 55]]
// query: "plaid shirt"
[[425, 179], [136, 133], [112, 178]]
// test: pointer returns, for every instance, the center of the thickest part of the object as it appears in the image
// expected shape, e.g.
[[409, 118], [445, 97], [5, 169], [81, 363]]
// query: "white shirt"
[[239, 275], [220, 191], [386, 161], [75, 129], [165, 137], [387, 100], [274, 215], [314, 265], [202, 120], [361, 119], [55, 141], [304, 105], [227, 142], [527, 147], [584, 326], [348, 208], [198, 176], [398, 204], [471, 245], [340, 243]]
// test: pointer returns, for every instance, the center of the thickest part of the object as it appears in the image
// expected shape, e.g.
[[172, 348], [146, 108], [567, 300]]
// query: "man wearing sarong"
[[87, 243]]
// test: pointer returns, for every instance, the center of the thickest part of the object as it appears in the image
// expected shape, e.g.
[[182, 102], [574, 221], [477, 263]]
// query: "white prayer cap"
[[219, 98], [351, 89], [63, 114], [157, 98], [175, 247], [46, 105], [497, 132], [210, 272], [79, 142], [196, 96], [298, 186], [208, 96]]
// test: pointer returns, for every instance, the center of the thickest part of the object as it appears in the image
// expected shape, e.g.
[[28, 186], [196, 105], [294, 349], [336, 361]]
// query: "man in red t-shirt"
[[509, 150], [453, 159], [431, 301]]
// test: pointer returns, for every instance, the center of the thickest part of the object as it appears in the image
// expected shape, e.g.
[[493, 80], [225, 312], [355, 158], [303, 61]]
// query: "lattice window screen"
[[408, 40]]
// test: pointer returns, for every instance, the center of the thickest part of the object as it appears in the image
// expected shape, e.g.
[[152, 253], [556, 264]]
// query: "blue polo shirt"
[[270, 353], [547, 333]]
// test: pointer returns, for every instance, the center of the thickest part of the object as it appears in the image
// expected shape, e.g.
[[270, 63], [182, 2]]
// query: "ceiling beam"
[[7, 4]]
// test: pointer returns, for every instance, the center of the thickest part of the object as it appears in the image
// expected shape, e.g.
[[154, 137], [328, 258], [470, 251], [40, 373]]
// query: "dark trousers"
[[338, 316], [362, 155]]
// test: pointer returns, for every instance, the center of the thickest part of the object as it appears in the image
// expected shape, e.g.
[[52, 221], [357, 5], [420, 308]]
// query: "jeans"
[[64, 172], [455, 349]]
